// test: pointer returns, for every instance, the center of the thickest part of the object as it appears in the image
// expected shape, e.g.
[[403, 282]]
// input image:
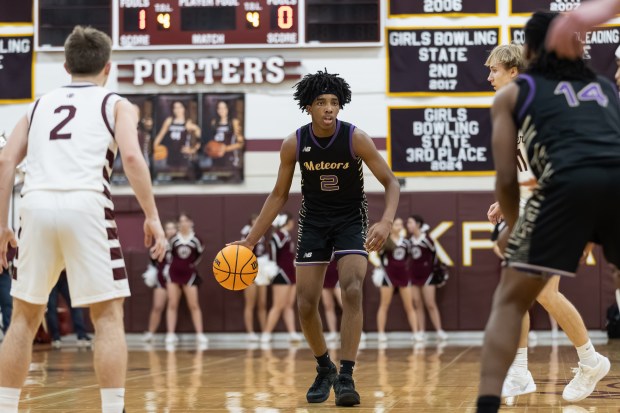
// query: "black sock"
[[346, 367], [488, 404], [324, 360]]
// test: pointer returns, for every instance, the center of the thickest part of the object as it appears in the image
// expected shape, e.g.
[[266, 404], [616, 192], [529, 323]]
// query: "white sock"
[[519, 364], [112, 400], [9, 399], [587, 354]]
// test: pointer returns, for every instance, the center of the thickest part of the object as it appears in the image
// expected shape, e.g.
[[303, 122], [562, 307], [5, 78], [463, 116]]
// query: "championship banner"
[[599, 48], [440, 61], [440, 140], [15, 12], [16, 68], [446, 8], [527, 7]]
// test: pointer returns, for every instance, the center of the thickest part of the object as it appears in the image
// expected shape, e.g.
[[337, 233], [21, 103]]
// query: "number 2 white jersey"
[[71, 144]]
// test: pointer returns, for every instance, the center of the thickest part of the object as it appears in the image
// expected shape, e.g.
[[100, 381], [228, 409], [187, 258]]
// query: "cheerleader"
[[395, 263], [422, 264]]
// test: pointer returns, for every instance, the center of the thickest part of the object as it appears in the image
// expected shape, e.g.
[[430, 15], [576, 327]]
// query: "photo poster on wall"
[[189, 138], [440, 141], [599, 47], [440, 61], [445, 8]]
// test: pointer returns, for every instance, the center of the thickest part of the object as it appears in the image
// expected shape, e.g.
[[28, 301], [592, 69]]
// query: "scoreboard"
[[205, 24]]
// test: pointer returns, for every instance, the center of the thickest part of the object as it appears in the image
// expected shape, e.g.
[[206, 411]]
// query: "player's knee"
[[352, 293], [306, 306]]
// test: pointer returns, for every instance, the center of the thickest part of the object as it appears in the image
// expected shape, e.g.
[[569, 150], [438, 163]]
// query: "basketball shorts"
[[73, 230], [340, 234], [562, 216]]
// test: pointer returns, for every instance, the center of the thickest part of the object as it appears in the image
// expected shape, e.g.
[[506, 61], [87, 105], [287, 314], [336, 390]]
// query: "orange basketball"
[[235, 267], [160, 152]]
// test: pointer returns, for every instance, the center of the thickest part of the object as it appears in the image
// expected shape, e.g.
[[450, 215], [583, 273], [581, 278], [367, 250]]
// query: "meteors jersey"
[[58, 158], [526, 178], [568, 124], [331, 173], [185, 254]]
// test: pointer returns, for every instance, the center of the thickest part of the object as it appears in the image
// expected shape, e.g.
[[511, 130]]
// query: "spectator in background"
[[255, 295], [395, 261], [329, 297], [225, 146], [422, 264], [160, 292], [177, 142], [77, 314], [283, 285], [186, 249]]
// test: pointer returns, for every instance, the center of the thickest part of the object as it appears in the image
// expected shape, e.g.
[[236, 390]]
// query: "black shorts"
[[339, 234], [562, 216]]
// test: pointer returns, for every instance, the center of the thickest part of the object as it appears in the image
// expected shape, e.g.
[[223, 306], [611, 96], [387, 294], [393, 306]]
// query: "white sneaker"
[[296, 337], [419, 336], [202, 339], [585, 380], [253, 336], [56, 344], [363, 337], [382, 338], [333, 336], [442, 335], [516, 385], [171, 338], [532, 336], [265, 338], [147, 337]]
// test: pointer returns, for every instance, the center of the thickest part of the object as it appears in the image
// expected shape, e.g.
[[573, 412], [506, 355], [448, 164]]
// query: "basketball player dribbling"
[[505, 63], [570, 119], [332, 219], [70, 137]]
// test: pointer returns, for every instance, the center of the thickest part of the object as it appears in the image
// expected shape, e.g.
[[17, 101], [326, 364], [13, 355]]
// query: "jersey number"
[[590, 92], [55, 133], [329, 183]]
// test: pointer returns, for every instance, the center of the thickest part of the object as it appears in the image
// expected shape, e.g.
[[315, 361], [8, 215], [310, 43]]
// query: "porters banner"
[[442, 140], [448, 8], [599, 47], [440, 61], [16, 68]]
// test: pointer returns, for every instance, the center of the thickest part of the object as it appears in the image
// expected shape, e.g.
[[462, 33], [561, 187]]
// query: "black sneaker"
[[319, 391], [344, 387]]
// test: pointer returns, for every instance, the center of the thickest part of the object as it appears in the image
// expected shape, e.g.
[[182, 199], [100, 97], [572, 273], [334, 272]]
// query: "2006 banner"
[[449, 8], [446, 140], [440, 61]]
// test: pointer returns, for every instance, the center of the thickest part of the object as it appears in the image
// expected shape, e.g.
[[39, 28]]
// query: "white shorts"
[[73, 230]]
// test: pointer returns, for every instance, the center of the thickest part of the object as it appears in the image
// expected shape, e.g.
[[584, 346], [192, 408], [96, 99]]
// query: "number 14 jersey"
[[71, 144]]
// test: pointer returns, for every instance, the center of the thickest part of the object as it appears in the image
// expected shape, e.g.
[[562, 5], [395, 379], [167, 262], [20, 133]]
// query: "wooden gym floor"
[[231, 377]]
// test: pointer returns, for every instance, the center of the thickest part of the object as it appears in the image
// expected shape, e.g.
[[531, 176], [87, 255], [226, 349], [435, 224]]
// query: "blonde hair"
[[87, 51], [509, 55]]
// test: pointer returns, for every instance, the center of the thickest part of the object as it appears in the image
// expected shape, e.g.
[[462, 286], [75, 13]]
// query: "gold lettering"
[[470, 244], [437, 232]]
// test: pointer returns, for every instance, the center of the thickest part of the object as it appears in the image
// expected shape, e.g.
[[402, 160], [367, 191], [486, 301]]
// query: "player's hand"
[[562, 36], [155, 238], [7, 236], [495, 214], [586, 251], [377, 235], [243, 243]]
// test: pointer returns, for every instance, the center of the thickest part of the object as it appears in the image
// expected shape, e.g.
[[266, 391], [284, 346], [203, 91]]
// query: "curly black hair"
[[321, 83], [546, 63]]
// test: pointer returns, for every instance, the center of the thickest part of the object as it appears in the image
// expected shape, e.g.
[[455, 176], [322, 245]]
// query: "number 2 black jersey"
[[332, 175], [568, 124]]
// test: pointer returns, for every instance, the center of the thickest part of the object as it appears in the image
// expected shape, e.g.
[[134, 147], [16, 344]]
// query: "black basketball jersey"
[[332, 179], [568, 124]]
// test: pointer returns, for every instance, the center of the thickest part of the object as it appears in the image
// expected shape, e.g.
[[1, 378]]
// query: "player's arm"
[[505, 153], [278, 196], [365, 148], [162, 132], [13, 153], [561, 36], [134, 165], [240, 140]]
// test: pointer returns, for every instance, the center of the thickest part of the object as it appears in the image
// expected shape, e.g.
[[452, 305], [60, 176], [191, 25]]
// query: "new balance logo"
[[306, 149], [308, 255]]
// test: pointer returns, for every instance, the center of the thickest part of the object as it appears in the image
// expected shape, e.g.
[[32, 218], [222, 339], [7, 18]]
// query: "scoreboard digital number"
[[207, 23]]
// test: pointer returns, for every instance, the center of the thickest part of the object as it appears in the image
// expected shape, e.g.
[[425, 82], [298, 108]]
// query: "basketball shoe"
[[585, 380], [344, 388], [517, 384], [325, 378]]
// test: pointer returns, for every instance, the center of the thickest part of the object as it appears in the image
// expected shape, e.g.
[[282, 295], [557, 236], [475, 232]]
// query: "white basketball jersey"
[[71, 144], [527, 180]]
